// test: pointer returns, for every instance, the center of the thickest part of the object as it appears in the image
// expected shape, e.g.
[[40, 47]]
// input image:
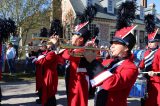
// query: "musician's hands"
[[152, 73], [90, 44], [90, 55]]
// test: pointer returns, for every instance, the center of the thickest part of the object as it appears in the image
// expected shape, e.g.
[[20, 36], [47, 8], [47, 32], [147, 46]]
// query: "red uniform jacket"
[[142, 63], [120, 83], [153, 82], [50, 77], [0, 60], [39, 67], [78, 84], [156, 67]]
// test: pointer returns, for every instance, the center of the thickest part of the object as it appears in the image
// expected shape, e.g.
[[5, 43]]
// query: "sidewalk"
[[23, 94]]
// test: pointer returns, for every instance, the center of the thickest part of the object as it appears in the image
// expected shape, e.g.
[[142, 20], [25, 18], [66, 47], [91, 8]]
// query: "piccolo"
[[21, 48], [44, 38], [148, 72], [80, 54], [79, 47]]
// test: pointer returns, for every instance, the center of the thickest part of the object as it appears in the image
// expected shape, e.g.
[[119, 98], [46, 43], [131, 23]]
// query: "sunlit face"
[[49, 46], [152, 45], [8, 46], [74, 39], [118, 50]]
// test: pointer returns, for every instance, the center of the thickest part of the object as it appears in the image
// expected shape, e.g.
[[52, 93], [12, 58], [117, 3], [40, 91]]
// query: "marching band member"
[[77, 83], [77, 79], [150, 63], [39, 68], [50, 77], [154, 83], [116, 76]]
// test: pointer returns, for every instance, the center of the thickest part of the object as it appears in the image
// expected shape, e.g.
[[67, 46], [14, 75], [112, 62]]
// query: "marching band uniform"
[[0, 68], [151, 63], [50, 79], [77, 81], [155, 80], [116, 76], [78, 84], [0, 60], [39, 76]]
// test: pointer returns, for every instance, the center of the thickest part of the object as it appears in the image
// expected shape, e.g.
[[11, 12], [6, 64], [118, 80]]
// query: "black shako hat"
[[151, 29], [125, 37], [82, 31], [126, 15]]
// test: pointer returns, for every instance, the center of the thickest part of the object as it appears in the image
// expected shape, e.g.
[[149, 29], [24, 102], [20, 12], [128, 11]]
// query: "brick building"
[[105, 18]]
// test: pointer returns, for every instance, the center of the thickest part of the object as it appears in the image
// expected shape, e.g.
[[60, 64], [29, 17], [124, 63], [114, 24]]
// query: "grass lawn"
[[6, 77]]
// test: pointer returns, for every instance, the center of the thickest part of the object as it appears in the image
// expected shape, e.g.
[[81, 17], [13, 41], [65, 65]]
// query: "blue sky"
[[157, 2]]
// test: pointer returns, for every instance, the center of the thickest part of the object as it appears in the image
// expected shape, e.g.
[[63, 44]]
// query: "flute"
[[148, 72]]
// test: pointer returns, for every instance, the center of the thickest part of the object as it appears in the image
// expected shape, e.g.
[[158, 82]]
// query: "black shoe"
[[38, 101]]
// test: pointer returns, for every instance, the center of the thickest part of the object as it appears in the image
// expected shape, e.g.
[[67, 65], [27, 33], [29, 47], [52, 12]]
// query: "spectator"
[[14, 39], [103, 52], [10, 56], [30, 55]]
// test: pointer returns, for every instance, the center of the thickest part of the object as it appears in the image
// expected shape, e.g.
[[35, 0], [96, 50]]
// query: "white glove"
[[35, 59], [152, 73], [40, 57]]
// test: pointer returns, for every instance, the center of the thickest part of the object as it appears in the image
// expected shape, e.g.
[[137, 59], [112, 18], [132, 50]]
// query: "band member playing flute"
[[77, 83], [150, 63], [49, 61], [115, 77]]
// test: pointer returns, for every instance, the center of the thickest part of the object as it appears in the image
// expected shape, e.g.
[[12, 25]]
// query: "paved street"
[[23, 94]]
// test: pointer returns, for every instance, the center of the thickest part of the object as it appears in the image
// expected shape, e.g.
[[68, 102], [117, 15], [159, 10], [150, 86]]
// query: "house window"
[[91, 28], [141, 12], [135, 32], [35, 34], [142, 37], [112, 35], [110, 6], [89, 2]]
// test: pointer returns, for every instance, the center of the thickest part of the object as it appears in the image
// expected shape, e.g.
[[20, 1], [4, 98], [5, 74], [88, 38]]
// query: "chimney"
[[144, 3]]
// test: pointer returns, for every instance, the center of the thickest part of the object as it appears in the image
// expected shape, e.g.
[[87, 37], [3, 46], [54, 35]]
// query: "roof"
[[79, 8], [101, 11], [158, 19]]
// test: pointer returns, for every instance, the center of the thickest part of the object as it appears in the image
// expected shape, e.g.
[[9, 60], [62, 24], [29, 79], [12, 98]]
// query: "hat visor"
[[76, 33], [115, 39], [154, 40]]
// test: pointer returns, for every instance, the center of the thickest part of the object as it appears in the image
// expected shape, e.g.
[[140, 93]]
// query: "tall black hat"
[[151, 30], [82, 30], [44, 32], [126, 15], [56, 28], [7, 26]]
